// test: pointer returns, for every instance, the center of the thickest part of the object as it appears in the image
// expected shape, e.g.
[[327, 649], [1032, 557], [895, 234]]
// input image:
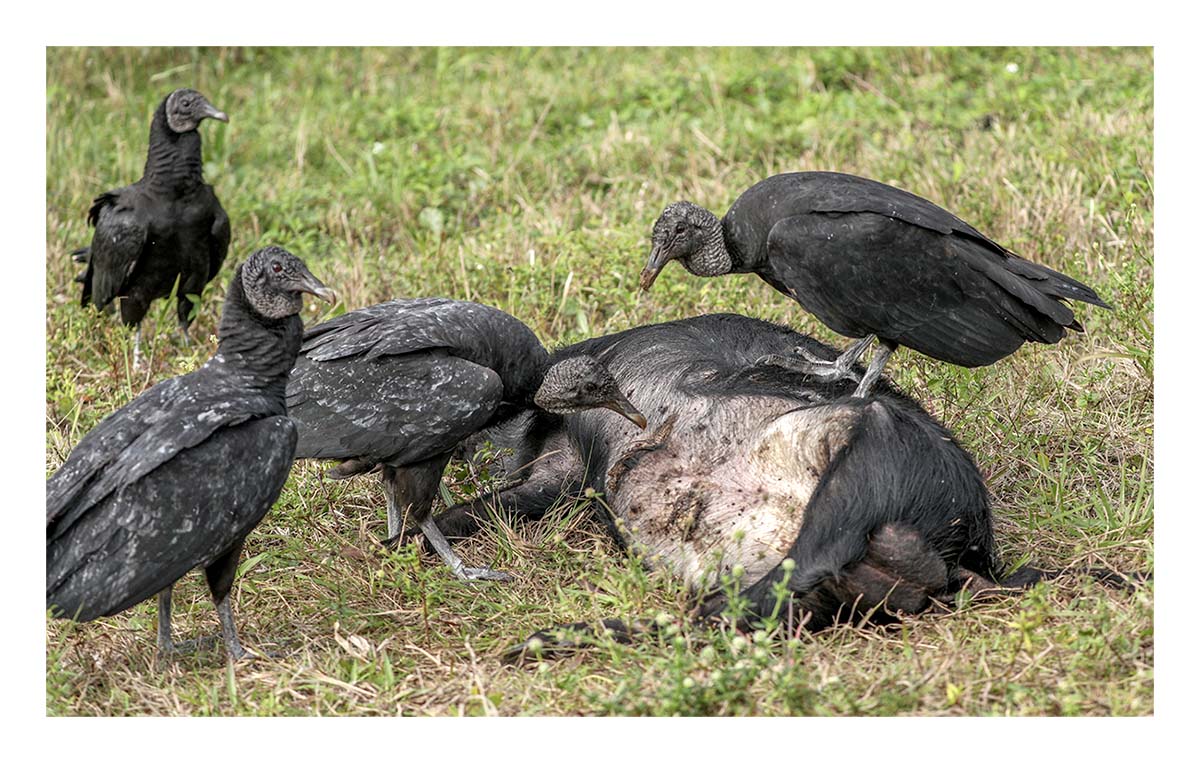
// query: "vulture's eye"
[[276, 267]]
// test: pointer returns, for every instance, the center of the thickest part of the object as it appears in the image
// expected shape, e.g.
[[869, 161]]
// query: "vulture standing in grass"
[[166, 228], [179, 477], [397, 386], [870, 260]]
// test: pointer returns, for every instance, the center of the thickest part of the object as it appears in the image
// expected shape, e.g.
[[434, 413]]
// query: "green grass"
[[529, 179]]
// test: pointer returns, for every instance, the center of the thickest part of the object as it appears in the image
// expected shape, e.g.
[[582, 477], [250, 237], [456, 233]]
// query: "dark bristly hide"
[[166, 229], [852, 506], [871, 260], [176, 479], [400, 384]]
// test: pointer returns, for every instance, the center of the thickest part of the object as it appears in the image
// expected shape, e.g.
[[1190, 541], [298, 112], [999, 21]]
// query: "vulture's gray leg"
[[233, 647], [462, 572], [882, 353], [164, 621], [220, 582], [166, 645], [137, 346], [410, 493], [401, 490]]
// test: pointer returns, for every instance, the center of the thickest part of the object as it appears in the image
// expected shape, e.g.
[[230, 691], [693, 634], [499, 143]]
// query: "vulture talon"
[[189, 647], [825, 370], [483, 573], [803, 352]]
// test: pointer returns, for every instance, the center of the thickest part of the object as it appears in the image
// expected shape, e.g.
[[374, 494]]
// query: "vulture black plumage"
[[398, 385], [179, 477], [870, 260], [167, 227]]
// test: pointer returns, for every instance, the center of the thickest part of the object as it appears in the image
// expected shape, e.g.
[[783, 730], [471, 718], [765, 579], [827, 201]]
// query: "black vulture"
[[166, 228], [852, 505], [870, 260], [179, 477], [398, 385]]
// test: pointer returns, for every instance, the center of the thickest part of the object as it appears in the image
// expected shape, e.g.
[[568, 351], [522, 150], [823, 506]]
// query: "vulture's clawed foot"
[[808, 364], [461, 571], [435, 538], [829, 371], [235, 652], [172, 649], [483, 573]]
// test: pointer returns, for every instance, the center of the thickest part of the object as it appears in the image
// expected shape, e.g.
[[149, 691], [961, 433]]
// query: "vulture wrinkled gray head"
[[273, 279], [581, 383], [186, 108], [690, 234]]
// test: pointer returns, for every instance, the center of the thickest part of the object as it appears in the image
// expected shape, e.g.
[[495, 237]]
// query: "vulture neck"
[[521, 383], [261, 349], [534, 381], [714, 257], [173, 161]]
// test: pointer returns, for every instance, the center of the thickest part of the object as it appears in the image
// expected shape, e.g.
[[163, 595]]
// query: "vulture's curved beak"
[[622, 406], [658, 258], [310, 285], [212, 112]]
